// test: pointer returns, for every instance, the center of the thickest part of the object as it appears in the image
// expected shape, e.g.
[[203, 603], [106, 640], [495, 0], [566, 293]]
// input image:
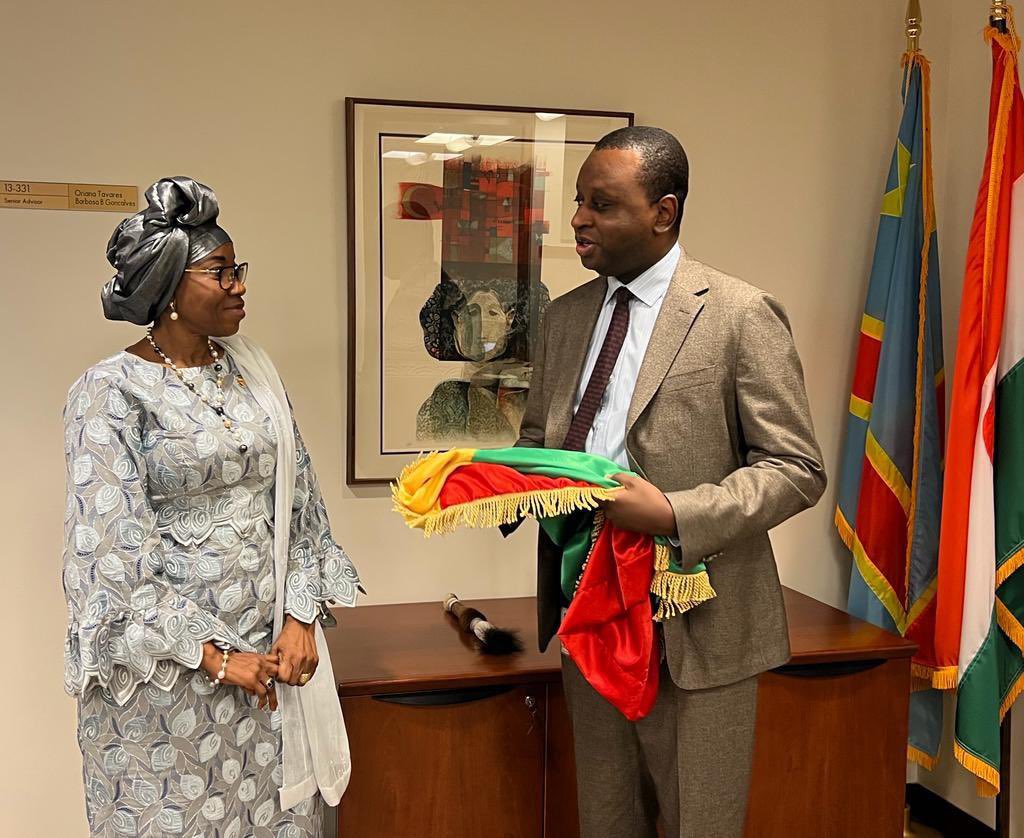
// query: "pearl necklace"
[[218, 368]]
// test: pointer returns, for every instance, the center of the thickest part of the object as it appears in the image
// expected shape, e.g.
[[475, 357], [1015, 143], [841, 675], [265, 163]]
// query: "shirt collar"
[[650, 287]]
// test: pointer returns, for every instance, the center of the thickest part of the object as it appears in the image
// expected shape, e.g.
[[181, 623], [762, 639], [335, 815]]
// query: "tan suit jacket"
[[719, 422]]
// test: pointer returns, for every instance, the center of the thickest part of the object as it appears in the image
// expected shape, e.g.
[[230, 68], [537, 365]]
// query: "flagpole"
[[997, 16], [1003, 798], [997, 19], [913, 32], [913, 25]]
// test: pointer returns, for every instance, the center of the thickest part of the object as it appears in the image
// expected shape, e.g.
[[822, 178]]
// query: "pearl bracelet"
[[223, 669]]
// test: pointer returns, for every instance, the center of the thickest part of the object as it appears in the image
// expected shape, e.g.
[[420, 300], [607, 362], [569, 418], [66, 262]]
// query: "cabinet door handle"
[[440, 698], [531, 705]]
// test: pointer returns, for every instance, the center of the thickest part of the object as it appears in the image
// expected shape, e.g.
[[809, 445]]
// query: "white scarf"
[[314, 741]]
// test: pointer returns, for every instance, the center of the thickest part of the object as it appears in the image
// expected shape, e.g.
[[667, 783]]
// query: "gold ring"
[[304, 678]]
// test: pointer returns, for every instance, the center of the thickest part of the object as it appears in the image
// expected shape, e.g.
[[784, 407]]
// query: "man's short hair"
[[664, 169]]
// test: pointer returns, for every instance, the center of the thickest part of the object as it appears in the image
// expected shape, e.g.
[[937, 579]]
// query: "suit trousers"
[[687, 762]]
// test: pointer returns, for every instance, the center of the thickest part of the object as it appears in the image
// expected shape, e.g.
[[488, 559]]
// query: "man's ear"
[[668, 213]]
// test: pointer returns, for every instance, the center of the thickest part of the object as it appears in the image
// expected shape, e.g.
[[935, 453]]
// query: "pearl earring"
[[174, 314]]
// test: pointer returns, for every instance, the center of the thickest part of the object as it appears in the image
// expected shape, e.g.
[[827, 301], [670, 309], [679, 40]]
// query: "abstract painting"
[[459, 237]]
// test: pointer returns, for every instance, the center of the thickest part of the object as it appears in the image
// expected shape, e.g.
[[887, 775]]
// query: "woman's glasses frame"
[[226, 276]]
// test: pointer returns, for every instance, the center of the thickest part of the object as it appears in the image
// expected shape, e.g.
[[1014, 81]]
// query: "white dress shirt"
[[607, 436]]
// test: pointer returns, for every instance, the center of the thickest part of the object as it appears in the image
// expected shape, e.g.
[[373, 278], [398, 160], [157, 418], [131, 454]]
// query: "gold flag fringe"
[[487, 513], [1009, 567], [844, 529], [922, 758], [986, 775], [677, 593], [986, 778], [933, 678]]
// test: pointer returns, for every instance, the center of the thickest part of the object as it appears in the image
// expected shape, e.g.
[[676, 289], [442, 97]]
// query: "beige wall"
[[787, 110]]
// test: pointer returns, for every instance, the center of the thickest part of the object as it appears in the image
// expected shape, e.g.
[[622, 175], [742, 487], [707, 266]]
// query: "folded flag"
[[609, 575]]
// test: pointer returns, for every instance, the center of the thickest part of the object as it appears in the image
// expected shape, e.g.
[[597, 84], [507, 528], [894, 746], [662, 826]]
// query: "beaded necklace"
[[218, 405]]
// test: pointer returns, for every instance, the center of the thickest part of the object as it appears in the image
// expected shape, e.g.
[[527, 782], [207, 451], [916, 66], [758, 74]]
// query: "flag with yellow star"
[[890, 486]]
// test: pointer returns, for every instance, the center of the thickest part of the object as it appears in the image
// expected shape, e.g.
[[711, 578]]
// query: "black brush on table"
[[490, 639]]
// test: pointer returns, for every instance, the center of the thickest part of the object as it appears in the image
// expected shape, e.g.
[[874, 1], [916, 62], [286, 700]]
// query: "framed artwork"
[[459, 236]]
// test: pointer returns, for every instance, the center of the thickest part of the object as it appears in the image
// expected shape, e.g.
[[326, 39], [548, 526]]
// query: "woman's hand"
[[247, 670], [296, 652]]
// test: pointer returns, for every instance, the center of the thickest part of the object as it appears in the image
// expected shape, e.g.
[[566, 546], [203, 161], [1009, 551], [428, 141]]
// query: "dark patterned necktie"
[[582, 421]]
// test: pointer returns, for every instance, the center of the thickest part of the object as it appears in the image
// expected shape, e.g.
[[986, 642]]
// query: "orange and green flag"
[[981, 584]]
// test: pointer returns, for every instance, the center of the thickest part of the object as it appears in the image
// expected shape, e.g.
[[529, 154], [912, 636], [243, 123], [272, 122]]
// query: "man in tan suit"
[[689, 378]]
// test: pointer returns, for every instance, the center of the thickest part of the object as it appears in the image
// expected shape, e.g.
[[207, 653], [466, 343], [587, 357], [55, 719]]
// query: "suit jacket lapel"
[[579, 331], [682, 304]]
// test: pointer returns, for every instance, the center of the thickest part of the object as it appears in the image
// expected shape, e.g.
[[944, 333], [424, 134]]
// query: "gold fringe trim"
[[1010, 45], [1009, 567], [926, 761], [844, 528], [1009, 624], [662, 556], [987, 777], [677, 593], [927, 199], [1011, 696], [934, 678], [494, 511], [595, 531]]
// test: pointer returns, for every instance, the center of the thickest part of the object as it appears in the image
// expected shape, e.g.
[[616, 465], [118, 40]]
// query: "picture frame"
[[459, 236]]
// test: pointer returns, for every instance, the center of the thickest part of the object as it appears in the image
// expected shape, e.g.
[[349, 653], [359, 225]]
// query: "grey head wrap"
[[151, 249]]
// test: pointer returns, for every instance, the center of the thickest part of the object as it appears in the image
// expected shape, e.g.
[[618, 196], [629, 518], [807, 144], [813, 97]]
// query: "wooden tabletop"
[[819, 633], [412, 647]]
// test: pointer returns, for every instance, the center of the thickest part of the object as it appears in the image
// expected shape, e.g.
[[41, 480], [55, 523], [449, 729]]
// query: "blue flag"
[[890, 485]]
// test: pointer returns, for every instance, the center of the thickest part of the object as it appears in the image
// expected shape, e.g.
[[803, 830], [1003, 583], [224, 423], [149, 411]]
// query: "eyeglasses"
[[226, 276]]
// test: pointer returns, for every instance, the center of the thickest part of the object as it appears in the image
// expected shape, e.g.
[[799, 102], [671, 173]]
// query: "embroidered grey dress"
[[169, 531]]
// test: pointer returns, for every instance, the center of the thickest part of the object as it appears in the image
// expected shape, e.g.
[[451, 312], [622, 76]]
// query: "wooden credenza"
[[447, 743]]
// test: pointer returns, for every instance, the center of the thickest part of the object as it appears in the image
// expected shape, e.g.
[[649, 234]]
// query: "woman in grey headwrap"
[[199, 558]]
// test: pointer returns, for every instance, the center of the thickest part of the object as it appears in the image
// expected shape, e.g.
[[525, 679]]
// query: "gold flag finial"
[[998, 14], [913, 25]]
